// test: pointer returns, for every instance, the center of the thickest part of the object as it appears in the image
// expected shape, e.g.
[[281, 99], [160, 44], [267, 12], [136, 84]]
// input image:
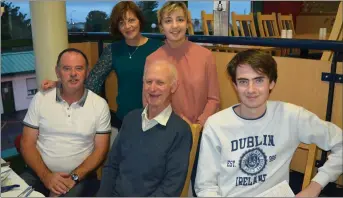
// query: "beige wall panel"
[[90, 49], [111, 87]]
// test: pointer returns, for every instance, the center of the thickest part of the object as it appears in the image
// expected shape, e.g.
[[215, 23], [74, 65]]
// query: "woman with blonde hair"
[[197, 95]]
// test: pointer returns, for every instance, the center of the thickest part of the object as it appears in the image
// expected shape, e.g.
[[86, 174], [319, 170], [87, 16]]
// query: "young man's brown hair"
[[259, 61]]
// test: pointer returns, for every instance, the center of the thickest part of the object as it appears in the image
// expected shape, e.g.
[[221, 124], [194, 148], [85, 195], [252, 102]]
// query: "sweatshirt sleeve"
[[327, 136], [212, 92], [206, 181]]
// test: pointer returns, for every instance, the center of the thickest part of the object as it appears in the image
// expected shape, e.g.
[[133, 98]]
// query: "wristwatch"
[[75, 177]]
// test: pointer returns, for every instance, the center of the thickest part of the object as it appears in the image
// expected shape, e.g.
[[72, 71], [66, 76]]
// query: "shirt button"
[[68, 115], [68, 108]]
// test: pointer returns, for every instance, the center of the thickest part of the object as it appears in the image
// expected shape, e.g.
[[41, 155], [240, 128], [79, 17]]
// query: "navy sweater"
[[150, 163]]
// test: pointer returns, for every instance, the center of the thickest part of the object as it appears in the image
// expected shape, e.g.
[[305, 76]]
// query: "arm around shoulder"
[[100, 71]]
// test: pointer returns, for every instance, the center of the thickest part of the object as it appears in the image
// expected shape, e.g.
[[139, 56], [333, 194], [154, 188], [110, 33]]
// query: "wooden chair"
[[196, 129], [336, 32], [190, 25], [99, 171], [267, 25], [286, 22], [307, 168], [246, 25], [205, 19]]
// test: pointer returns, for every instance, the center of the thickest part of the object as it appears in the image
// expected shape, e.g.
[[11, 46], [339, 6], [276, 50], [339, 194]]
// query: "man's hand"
[[58, 183], [312, 190], [48, 84]]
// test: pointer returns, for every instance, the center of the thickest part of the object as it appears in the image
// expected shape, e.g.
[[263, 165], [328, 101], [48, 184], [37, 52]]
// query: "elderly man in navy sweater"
[[149, 157]]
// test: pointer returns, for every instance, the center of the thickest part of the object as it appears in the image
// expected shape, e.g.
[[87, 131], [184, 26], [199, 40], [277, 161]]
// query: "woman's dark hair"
[[119, 12]]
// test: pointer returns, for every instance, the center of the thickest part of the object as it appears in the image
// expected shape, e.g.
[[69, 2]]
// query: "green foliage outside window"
[[13, 23]]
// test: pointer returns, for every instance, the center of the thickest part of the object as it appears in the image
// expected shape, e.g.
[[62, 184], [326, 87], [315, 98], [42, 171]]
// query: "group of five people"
[[244, 149]]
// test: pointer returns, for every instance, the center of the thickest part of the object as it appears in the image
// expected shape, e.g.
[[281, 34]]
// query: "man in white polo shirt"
[[66, 132]]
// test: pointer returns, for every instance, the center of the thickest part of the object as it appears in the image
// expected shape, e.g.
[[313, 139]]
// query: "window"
[[240, 7], [195, 7], [94, 17], [31, 86]]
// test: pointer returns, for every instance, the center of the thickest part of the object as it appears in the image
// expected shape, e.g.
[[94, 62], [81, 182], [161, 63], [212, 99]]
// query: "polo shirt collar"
[[162, 118], [81, 102]]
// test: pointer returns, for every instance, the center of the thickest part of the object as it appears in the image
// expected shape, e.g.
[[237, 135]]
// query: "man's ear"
[[87, 72], [174, 86], [57, 72], [272, 85], [234, 85]]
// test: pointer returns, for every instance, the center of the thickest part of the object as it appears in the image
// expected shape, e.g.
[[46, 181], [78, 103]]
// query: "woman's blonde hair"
[[170, 7]]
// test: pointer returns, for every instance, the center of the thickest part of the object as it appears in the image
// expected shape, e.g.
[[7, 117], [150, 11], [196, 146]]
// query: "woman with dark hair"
[[126, 57]]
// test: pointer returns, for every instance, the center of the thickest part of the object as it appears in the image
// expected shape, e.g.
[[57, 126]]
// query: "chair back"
[[267, 25], [190, 25], [307, 167], [205, 19], [286, 22], [336, 32], [196, 130], [246, 25]]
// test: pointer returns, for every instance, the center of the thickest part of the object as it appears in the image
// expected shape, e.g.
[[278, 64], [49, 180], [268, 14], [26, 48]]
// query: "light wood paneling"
[[312, 23], [90, 49], [336, 33], [111, 87]]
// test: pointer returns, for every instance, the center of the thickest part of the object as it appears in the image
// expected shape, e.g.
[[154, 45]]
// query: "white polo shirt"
[[66, 133]]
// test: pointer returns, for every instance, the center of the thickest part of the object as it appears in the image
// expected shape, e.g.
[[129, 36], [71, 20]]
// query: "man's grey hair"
[[172, 69]]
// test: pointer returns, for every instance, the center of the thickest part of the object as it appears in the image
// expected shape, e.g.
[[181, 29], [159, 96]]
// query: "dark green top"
[[129, 72]]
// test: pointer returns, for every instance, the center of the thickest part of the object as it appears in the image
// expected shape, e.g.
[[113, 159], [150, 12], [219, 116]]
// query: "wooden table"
[[238, 48], [303, 52], [310, 36]]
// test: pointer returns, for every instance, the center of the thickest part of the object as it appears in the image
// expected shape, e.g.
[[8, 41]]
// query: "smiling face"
[[72, 71], [129, 26], [174, 26], [158, 84], [253, 89]]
